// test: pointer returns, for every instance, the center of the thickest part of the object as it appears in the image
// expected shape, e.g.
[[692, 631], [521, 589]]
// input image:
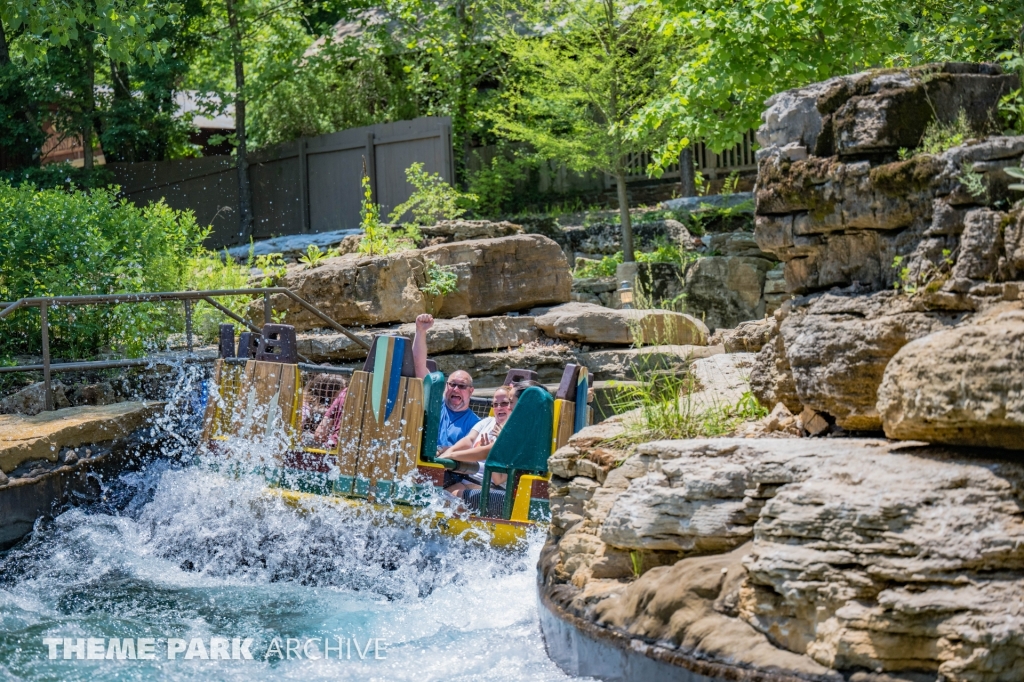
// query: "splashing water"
[[183, 551]]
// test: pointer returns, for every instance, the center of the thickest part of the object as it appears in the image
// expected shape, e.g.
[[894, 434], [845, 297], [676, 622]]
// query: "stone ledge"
[[42, 436]]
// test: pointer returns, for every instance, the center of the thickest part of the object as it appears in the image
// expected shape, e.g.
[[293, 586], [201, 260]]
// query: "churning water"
[[182, 552]]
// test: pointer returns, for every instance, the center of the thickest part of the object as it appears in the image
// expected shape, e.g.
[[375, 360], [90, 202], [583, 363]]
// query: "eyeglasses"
[[503, 403], [458, 386]]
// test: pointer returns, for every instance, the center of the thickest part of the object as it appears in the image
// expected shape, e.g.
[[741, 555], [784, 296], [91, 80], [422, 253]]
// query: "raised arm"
[[419, 344]]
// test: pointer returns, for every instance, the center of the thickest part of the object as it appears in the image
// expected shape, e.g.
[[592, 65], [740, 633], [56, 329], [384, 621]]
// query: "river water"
[[181, 552]]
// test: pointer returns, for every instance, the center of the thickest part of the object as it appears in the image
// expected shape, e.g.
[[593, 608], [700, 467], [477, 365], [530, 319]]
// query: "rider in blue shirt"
[[457, 420]]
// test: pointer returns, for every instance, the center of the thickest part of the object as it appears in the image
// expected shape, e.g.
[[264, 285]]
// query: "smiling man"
[[457, 420]]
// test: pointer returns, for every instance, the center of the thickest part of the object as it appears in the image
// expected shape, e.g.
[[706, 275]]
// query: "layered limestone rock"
[[837, 348], [458, 335], [594, 324], [25, 438], [906, 247], [448, 231], [727, 290], [963, 385], [815, 556], [495, 276]]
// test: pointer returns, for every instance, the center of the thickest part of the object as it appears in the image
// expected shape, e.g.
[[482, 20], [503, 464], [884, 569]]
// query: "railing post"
[[45, 326], [188, 325], [266, 308]]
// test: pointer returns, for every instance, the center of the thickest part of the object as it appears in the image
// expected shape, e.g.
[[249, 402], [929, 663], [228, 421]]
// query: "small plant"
[[903, 153], [637, 559], [272, 266], [1011, 112], [434, 199], [603, 268], [730, 184], [903, 279], [972, 181], [380, 239], [494, 185], [939, 136], [1018, 173], [440, 280], [314, 257]]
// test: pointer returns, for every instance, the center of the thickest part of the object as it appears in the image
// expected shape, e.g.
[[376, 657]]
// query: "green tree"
[[571, 90], [740, 52], [249, 47]]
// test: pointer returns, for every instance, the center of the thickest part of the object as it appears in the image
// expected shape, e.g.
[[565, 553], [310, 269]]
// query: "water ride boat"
[[373, 442]]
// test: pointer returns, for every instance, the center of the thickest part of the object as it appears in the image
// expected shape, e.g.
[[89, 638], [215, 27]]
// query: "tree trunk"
[[121, 83], [627, 225], [687, 179], [88, 123], [5, 55], [241, 158]]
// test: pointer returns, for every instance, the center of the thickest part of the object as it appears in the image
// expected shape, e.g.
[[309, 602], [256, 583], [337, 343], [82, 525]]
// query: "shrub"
[[939, 136], [434, 199], [208, 271], [665, 408], [380, 239], [73, 243], [494, 185]]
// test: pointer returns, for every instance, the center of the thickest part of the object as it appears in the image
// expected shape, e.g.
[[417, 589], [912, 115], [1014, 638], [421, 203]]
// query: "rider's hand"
[[424, 322]]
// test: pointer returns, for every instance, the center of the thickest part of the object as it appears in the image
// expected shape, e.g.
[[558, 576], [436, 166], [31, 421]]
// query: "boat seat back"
[[256, 400], [380, 433], [523, 445], [248, 345], [278, 344], [226, 341], [570, 409], [515, 375]]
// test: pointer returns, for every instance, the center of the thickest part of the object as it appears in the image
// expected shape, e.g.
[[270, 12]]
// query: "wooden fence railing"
[[735, 159]]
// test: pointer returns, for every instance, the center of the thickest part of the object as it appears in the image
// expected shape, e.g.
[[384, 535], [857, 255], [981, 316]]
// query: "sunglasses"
[[458, 386], [502, 403]]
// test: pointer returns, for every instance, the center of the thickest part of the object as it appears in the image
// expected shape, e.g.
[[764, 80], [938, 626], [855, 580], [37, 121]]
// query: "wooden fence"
[[738, 159], [309, 185]]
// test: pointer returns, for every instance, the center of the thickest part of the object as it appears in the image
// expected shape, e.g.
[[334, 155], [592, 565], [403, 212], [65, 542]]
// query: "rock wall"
[[811, 556], [884, 247]]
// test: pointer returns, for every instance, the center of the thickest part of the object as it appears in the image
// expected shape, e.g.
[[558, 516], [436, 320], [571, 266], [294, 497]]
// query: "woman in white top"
[[476, 446]]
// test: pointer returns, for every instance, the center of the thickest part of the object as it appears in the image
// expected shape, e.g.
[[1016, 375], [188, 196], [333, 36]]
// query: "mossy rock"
[[901, 178]]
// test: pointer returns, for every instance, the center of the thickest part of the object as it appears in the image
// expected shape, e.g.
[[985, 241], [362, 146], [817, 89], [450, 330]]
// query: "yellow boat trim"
[[495, 532]]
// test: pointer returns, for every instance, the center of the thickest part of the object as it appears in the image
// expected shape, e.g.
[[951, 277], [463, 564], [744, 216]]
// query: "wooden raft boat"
[[383, 453]]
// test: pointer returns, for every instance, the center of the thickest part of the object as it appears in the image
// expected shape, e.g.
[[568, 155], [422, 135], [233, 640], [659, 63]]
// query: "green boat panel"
[[523, 445], [433, 396]]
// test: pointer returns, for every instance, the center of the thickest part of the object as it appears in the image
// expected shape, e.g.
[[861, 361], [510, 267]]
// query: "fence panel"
[[276, 191], [397, 146], [309, 185]]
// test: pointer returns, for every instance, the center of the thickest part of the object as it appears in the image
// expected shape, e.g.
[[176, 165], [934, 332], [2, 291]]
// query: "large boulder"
[[963, 385], [593, 324], [495, 276], [726, 290], [637, 363], [503, 274], [837, 348]]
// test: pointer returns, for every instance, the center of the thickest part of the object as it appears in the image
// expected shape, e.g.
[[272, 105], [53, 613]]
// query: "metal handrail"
[[44, 303]]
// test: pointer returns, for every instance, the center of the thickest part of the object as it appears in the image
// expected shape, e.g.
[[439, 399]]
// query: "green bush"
[[208, 271], [59, 176], [434, 199], [74, 243]]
